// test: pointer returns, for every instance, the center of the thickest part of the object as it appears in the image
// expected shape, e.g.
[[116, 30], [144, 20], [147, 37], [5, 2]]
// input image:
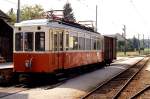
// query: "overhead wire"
[[140, 15], [137, 11]]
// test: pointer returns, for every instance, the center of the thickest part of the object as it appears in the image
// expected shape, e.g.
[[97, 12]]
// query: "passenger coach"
[[46, 46]]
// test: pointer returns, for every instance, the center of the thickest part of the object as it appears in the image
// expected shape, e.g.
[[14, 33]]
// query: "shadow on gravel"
[[88, 81], [8, 95]]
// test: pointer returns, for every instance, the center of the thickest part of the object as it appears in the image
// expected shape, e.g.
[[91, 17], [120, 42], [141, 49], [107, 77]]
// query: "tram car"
[[47, 46]]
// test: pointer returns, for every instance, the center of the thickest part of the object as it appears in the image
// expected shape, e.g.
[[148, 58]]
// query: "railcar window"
[[98, 45], [67, 41], [55, 42], [81, 43], [93, 44], [71, 42], [88, 44], [75, 43], [40, 41], [19, 41], [61, 41], [28, 41]]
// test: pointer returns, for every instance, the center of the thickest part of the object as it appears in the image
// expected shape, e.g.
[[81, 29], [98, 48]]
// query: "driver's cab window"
[[39, 41]]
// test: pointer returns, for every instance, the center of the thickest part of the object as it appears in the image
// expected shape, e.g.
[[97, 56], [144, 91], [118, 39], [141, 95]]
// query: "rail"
[[117, 94], [129, 80]]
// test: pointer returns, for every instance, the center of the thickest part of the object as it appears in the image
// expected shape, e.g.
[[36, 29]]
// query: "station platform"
[[77, 87]]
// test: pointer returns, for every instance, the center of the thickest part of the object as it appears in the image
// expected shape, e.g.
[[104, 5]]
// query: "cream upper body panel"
[[50, 27]]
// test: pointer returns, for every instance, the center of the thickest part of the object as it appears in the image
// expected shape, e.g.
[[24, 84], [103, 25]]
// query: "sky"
[[112, 14]]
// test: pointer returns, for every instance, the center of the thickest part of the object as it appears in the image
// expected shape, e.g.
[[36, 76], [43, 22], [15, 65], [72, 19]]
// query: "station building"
[[6, 38]]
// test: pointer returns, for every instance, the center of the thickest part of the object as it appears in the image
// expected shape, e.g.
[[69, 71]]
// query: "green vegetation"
[[27, 12], [36, 12], [68, 13], [134, 53], [121, 54]]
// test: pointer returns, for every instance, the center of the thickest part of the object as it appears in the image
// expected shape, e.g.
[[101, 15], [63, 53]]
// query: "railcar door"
[[58, 47]]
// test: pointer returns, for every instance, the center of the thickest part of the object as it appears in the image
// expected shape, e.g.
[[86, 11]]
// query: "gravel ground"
[[141, 80], [77, 87]]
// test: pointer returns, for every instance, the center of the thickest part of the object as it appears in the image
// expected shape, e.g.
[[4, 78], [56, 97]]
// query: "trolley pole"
[[18, 12]]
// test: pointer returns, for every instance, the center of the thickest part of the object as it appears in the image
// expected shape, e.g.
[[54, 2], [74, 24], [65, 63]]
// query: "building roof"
[[4, 16]]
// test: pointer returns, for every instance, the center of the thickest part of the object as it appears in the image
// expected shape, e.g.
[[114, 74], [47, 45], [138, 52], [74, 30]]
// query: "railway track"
[[140, 92], [114, 88], [16, 88], [6, 91]]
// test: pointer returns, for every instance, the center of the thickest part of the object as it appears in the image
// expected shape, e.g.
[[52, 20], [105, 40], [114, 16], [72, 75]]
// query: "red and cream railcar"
[[45, 46]]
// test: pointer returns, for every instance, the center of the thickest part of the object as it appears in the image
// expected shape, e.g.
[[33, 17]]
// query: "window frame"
[[24, 40], [22, 49], [39, 42]]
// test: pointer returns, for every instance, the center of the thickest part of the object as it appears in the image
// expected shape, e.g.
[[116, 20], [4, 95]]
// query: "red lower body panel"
[[50, 61]]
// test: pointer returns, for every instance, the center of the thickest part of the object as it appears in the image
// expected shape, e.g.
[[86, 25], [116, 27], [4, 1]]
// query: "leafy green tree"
[[12, 15], [120, 45], [31, 12], [130, 45], [135, 43], [68, 13], [27, 12]]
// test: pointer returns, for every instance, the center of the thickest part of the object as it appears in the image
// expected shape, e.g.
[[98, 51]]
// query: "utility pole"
[[18, 12], [125, 42], [139, 43], [96, 18]]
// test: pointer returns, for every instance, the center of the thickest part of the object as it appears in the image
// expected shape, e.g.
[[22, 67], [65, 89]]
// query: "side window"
[[28, 41], [88, 44], [81, 43], [71, 42], [94, 44], [75, 43], [98, 44], [40, 41], [61, 41], [19, 41], [67, 41], [55, 42]]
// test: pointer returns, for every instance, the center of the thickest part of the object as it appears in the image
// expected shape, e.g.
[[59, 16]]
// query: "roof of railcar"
[[48, 21], [33, 22]]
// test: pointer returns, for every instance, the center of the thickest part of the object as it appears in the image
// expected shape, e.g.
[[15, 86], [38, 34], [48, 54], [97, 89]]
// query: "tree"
[[12, 15], [135, 43], [68, 13], [27, 12], [31, 12], [120, 45]]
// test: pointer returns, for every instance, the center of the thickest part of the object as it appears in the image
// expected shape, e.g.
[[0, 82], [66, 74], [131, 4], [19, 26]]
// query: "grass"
[[121, 54], [133, 53]]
